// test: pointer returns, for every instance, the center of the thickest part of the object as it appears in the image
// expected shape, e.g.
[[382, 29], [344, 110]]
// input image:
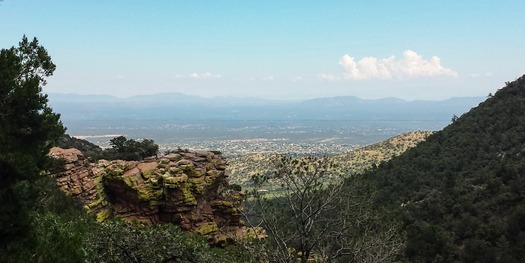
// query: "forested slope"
[[460, 194]]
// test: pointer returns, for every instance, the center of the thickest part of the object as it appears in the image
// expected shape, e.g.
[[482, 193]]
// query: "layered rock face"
[[185, 188]]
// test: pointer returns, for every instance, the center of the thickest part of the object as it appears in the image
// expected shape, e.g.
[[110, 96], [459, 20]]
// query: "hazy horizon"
[[291, 50], [249, 97]]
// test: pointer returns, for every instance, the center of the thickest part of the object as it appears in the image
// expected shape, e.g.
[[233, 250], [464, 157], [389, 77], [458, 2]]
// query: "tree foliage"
[[38, 222], [121, 148], [129, 149], [56, 225], [460, 193], [28, 128], [90, 150], [123, 242]]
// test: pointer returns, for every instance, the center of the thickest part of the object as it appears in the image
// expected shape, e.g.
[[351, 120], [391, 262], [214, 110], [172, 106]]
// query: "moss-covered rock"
[[104, 215], [175, 181], [206, 228], [183, 188]]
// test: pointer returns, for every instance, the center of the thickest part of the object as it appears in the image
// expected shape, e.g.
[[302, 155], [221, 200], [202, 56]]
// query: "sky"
[[275, 49]]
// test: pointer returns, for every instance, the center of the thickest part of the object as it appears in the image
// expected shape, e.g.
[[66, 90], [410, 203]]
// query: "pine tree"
[[28, 128]]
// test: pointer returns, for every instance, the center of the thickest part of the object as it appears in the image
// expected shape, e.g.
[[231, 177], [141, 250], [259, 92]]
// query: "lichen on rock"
[[184, 188]]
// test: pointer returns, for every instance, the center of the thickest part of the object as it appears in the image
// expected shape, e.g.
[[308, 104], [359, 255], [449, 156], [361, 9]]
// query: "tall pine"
[[28, 128]]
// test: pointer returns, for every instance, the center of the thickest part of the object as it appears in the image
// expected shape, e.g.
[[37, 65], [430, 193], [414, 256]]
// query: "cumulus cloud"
[[411, 65]]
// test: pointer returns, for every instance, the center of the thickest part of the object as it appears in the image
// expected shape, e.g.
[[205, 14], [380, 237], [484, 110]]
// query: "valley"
[[236, 138], [262, 131]]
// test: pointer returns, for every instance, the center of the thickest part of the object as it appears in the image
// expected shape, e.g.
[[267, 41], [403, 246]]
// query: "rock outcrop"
[[189, 189]]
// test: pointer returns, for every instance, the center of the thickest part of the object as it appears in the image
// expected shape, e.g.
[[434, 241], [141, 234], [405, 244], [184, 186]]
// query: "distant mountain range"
[[185, 107]]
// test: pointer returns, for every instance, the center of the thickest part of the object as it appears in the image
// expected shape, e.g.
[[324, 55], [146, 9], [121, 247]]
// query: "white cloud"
[[327, 77], [206, 75], [196, 75], [268, 78], [411, 65], [477, 75], [296, 78]]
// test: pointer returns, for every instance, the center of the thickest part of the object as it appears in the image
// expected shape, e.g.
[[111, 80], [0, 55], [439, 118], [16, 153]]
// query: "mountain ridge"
[[59, 96], [180, 106]]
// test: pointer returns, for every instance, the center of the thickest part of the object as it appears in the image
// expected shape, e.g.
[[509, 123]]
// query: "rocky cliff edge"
[[189, 189]]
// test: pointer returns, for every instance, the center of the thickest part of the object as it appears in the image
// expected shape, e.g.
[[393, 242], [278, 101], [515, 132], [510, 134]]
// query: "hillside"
[[364, 158], [245, 169], [460, 194]]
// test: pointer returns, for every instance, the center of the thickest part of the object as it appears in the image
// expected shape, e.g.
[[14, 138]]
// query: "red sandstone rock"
[[179, 188]]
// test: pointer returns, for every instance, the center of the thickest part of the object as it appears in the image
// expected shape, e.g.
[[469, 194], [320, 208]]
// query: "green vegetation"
[[28, 128], [91, 151], [258, 170], [121, 148], [116, 242], [362, 159], [56, 225], [456, 197], [38, 222], [318, 222], [460, 193], [129, 149]]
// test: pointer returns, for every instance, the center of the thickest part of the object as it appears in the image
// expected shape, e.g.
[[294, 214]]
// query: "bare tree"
[[318, 218]]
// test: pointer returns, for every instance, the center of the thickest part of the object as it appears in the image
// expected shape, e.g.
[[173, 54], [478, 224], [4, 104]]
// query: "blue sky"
[[275, 49]]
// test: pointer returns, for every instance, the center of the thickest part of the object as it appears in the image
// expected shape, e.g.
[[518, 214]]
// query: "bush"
[[124, 242]]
